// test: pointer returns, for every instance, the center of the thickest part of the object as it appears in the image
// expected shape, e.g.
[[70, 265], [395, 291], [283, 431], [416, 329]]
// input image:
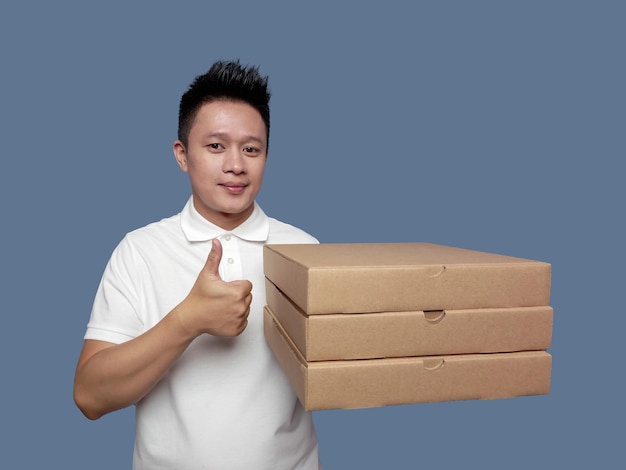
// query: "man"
[[179, 333]]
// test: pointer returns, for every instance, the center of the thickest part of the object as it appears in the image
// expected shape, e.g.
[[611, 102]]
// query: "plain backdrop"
[[490, 125]]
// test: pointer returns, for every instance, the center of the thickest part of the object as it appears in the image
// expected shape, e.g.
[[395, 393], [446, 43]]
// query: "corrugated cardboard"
[[416, 333], [380, 277], [380, 382]]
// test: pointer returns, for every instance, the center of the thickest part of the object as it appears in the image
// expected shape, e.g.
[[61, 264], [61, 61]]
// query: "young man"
[[179, 333]]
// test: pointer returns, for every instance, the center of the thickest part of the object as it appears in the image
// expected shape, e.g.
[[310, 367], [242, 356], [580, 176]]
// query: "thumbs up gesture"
[[215, 306]]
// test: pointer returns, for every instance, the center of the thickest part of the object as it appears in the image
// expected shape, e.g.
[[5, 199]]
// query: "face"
[[225, 159]]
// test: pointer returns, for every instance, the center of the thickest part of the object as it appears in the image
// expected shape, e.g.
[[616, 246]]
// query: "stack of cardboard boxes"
[[367, 325]]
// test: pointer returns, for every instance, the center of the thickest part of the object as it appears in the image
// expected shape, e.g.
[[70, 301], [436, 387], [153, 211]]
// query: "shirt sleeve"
[[115, 316]]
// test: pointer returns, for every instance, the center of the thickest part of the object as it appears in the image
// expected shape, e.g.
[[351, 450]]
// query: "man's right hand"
[[215, 306]]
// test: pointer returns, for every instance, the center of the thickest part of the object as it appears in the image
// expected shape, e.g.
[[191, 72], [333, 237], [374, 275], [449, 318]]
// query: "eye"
[[252, 151], [215, 147]]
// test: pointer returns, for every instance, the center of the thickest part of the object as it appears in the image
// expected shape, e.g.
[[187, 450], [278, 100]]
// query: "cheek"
[[258, 170], [204, 169]]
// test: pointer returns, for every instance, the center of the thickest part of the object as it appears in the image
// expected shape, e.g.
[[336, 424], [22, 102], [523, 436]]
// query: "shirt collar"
[[197, 229]]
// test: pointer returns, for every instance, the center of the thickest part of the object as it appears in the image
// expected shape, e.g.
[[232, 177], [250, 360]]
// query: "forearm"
[[110, 377]]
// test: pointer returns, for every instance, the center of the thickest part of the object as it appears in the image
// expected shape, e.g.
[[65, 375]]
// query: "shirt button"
[[231, 261], [227, 237]]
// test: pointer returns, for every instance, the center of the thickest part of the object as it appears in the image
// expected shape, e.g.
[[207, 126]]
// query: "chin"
[[239, 210]]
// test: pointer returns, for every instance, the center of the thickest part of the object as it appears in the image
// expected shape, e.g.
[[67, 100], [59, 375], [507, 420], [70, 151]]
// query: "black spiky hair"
[[229, 81]]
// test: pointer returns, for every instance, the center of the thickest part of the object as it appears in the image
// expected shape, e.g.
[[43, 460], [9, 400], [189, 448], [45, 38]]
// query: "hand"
[[214, 306]]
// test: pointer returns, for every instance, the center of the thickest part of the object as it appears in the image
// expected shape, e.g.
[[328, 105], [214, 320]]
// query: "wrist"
[[183, 323]]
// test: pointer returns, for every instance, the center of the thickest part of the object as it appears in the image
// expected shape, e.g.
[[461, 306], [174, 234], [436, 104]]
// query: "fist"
[[214, 306]]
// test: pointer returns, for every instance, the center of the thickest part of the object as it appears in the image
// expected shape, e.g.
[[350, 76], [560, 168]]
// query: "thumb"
[[213, 260]]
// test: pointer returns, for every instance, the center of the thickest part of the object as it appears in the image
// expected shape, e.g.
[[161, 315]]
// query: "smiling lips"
[[234, 188]]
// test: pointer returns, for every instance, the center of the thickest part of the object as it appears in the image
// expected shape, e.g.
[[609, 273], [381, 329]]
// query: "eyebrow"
[[223, 135]]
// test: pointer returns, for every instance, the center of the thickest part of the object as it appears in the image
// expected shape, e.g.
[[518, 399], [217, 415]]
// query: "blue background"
[[496, 126]]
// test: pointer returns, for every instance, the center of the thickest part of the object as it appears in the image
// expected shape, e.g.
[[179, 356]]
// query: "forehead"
[[229, 117]]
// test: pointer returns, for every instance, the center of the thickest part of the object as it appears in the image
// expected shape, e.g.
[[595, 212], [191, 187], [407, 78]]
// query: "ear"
[[180, 153]]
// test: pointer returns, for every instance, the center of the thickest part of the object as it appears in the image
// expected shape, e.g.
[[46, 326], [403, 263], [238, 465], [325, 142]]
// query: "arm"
[[112, 376]]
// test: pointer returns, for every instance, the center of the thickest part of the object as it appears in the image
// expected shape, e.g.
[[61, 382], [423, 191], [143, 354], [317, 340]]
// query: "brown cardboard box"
[[380, 382], [381, 277], [414, 333]]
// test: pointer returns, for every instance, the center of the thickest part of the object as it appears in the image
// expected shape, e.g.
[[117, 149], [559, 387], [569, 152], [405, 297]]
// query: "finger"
[[243, 326], [213, 260], [244, 285]]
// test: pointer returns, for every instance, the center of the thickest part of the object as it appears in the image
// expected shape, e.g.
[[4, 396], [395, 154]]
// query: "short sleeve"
[[115, 316]]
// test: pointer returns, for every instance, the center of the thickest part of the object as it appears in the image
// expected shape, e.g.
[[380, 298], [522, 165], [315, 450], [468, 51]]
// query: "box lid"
[[411, 333], [376, 277]]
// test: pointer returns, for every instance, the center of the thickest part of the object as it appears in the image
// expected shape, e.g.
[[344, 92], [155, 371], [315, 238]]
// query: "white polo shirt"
[[225, 403]]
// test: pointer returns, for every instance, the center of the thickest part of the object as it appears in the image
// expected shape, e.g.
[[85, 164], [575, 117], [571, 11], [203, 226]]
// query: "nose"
[[234, 162]]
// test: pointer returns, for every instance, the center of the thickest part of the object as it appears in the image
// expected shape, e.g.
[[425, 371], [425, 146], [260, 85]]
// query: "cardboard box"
[[415, 333], [394, 381], [381, 277]]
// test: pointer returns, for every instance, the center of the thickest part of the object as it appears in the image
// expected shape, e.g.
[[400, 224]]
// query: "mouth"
[[234, 188]]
